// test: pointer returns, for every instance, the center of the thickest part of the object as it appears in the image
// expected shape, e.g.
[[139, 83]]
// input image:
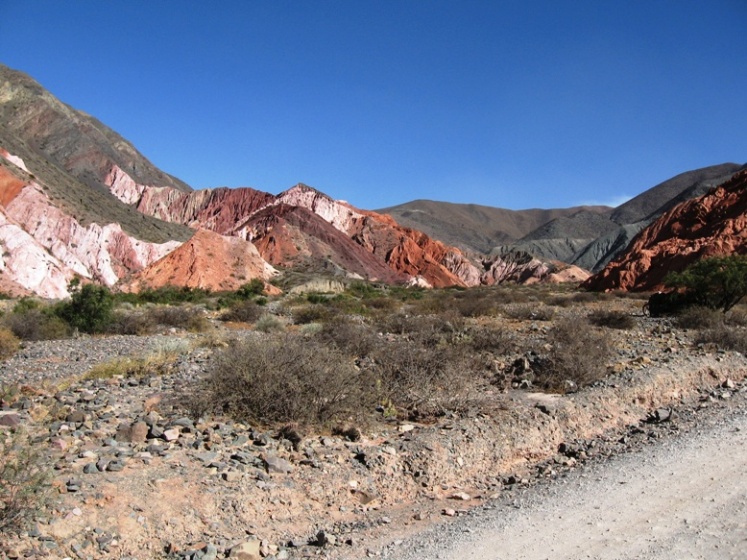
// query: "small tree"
[[89, 309], [715, 282]]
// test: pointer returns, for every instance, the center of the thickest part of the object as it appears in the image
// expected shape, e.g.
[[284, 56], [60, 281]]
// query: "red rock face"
[[303, 227], [714, 224], [208, 261]]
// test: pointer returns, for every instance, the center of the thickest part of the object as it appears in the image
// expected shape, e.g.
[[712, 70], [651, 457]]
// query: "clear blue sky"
[[515, 104]]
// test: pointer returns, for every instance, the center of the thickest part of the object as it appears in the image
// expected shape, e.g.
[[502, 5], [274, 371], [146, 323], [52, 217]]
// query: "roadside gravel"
[[684, 497]]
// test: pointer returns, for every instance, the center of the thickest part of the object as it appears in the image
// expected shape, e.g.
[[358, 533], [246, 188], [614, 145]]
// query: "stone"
[[277, 465], [172, 434], [9, 419], [248, 550]]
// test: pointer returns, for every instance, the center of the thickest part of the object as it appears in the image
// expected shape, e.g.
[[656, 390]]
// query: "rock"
[[248, 550], [448, 512], [659, 415], [460, 496], [9, 419], [172, 434], [277, 465]]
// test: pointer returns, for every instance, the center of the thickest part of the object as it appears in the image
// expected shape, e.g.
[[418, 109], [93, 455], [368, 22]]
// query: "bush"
[[578, 357], [36, 324], [486, 339], [612, 320], [423, 383], [24, 480], [284, 379], [715, 282], [8, 344], [269, 323], [132, 323], [724, 338], [529, 312], [352, 337], [699, 317], [255, 287], [243, 312], [89, 309], [182, 317]]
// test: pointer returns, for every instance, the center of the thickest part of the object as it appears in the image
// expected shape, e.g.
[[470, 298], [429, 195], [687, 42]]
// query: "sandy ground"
[[685, 498]]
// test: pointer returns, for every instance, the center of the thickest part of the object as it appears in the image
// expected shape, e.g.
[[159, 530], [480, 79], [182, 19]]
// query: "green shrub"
[[284, 379], [715, 282], [24, 478], [89, 309], [255, 287]]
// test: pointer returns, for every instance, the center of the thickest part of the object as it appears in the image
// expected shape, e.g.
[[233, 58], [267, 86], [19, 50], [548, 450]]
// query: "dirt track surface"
[[684, 498]]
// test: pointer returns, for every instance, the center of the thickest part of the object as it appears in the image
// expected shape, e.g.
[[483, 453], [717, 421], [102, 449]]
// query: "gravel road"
[[683, 498]]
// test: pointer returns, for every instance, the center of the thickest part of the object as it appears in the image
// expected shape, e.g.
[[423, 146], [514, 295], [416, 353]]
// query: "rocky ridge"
[[713, 224]]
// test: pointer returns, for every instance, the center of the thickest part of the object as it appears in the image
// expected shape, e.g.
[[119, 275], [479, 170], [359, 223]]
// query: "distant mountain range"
[[586, 236], [78, 200]]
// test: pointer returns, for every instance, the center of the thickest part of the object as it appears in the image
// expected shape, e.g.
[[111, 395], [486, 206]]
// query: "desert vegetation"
[[346, 362]]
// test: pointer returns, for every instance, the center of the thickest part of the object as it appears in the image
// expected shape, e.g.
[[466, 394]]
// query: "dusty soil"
[[682, 497], [135, 477]]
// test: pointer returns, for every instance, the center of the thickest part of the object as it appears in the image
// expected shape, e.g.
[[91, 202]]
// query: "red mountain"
[[712, 224]]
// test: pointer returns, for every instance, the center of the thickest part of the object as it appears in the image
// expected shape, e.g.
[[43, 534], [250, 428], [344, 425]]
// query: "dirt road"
[[685, 498]]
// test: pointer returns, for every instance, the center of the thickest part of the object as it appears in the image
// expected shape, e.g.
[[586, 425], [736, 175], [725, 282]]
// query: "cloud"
[[614, 201]]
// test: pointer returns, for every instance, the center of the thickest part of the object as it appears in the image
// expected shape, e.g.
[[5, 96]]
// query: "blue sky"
[[516, 104]]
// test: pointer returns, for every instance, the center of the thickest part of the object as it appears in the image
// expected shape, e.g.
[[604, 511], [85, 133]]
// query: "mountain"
[[586, 236], [476, 228], [712, 224], [78, 200]]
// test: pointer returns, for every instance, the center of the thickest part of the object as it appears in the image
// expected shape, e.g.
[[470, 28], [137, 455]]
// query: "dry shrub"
[[737, 317], [313, 313], [268, 323], [243, 312], [284, 379], [578, 357], [424, 383], [585, 297], [529, 312], [8, 343], [132, 323], [493, 340], [479, 304], [724, 338], [182, 317], [613, 320], [351, 336], [36, 324], [24, 481], [426, 328], [698, 318]]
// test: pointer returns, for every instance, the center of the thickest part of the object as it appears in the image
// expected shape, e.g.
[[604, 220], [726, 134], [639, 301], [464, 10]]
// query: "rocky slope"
[[44, 248], [713, 224], [135, 476]]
